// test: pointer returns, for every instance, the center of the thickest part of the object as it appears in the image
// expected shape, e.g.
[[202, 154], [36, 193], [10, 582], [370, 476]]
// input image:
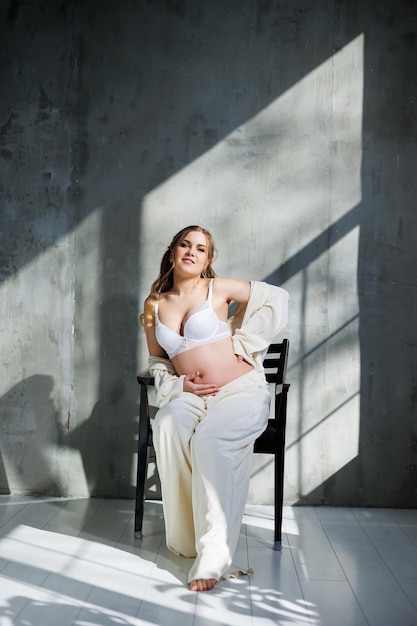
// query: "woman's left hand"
[[199, 389]]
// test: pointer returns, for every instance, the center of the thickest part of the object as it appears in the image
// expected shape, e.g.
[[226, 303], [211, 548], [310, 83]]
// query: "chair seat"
[[267, 442]]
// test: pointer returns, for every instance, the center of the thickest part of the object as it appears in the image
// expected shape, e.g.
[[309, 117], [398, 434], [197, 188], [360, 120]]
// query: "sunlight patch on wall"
[[89, 252], [40, 332], [272, 185], [274, 192], [37, 306]]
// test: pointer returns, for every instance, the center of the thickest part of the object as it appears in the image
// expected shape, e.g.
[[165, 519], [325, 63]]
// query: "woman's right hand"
[[199, 389]]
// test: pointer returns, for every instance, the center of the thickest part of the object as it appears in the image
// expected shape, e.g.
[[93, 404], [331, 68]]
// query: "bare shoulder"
[[165, 295], [232, 290]]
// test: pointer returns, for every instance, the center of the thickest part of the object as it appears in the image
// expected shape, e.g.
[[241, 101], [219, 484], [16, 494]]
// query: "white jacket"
[[255, 325]]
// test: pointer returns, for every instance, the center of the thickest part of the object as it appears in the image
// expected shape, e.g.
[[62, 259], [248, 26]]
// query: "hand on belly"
[[192, 385]]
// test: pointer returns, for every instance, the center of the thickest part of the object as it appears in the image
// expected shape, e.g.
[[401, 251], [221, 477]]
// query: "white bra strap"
[[210, 290]]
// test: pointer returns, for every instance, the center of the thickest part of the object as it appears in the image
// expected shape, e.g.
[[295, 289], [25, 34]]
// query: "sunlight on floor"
[[75, 562]]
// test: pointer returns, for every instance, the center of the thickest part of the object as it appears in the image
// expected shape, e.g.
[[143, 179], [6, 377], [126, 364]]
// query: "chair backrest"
[[272, 440], [275, 362]]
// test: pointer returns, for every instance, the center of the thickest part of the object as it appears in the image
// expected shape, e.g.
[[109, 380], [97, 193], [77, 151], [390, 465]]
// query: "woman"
[[212, 394]]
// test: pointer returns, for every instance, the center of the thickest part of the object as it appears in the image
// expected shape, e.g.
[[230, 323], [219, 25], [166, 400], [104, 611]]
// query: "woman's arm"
[[154, 348], [168, 384], [260, 322], [232, 290]]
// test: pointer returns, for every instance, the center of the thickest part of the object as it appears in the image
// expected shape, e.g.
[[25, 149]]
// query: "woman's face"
[[191, 253]]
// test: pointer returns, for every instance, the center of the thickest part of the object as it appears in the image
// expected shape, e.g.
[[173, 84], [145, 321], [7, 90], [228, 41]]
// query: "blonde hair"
[[165, 279]]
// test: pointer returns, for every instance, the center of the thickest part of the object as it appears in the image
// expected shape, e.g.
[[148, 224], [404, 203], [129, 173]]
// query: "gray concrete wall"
[[288, 129]]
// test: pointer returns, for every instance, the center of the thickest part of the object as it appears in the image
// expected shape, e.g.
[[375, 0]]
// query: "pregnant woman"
[[212, 396]]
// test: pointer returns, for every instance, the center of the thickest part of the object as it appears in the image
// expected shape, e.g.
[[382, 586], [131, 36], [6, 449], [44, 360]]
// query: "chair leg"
[[278, 499], [143, 436], [140, 488], [279, 472]]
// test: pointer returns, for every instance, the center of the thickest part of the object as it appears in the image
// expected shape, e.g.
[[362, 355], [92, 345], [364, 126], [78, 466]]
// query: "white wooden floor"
[[66, 562]]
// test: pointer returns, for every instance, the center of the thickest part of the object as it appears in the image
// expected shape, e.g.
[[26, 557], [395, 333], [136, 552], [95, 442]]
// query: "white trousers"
[[204, 448]]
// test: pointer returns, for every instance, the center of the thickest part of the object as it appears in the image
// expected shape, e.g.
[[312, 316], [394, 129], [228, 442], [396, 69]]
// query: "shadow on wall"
[[29, 417]]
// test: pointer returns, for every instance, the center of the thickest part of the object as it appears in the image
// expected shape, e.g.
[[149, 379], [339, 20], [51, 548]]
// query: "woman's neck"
[[186, 286]]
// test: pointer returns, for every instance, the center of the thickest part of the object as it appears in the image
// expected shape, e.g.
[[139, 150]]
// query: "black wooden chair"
[[272, 440]]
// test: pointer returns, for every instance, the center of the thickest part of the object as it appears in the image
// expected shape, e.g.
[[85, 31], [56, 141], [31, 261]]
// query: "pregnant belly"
[[216, 363]]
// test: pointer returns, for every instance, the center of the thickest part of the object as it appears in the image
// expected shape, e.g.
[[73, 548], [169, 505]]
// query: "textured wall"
[[288, 129]]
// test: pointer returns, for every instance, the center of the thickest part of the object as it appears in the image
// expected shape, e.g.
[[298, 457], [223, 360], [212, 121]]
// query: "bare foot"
[[202, 584]]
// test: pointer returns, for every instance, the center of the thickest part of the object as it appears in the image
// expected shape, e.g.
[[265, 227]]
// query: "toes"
[[202, 584]]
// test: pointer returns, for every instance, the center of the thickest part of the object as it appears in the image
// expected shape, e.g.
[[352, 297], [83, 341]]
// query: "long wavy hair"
[[165, 280]]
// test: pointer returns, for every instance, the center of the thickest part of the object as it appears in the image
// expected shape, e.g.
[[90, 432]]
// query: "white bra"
[[202, 327]]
